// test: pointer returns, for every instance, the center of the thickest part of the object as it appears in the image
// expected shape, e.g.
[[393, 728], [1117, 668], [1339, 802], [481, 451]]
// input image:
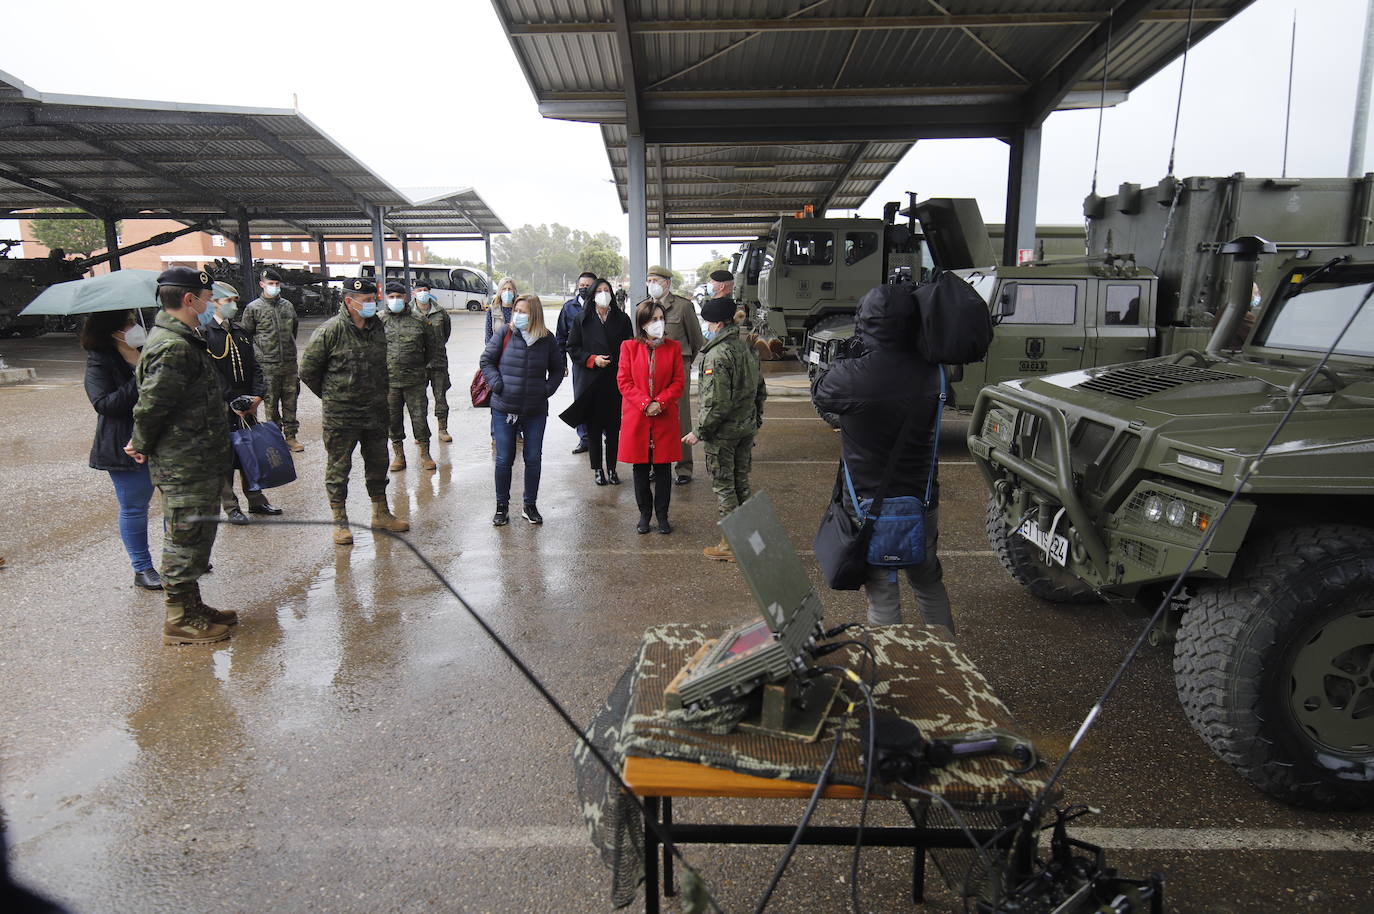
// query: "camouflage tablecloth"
[[921, 677]]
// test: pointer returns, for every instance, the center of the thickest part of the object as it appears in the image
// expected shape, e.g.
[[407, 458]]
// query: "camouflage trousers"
[[186, 543], [228, 501], [402, 400], [283, 392], [729, 461], [439, 382], [338, 461]]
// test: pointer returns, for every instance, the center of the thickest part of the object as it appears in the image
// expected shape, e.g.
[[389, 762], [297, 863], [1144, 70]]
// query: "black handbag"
[[841, 542]]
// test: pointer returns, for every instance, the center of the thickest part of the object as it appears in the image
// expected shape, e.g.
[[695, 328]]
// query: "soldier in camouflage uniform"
[[731, 394], [409, 350], [344, 364], [441, 326], [272, 322], [180, 429]]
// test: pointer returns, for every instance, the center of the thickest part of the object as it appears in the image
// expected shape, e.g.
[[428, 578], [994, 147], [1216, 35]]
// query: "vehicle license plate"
[[814, 357], [1056, 548]]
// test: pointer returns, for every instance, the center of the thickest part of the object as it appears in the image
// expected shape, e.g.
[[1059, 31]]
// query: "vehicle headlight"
[[1192, 461], [1154, 508], [1176, 513]]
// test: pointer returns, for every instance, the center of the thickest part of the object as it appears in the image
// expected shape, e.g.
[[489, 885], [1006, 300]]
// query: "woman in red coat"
[[651, 381]]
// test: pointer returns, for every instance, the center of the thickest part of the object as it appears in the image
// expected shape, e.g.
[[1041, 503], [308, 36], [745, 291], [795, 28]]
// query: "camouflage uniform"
[[409, 351], [179, 425], [440, 327], [345, 366], [681, 323], [731, 393], [273, 324]]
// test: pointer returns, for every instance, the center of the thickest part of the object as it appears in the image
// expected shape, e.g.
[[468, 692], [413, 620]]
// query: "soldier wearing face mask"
[[231, 349], [409, 352], [440, 325], [681, 325], [345, 365], [272, 322]]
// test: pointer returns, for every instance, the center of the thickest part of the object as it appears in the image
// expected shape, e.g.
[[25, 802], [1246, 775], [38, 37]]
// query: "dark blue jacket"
[[567, 316], [522, 377], [113, 391]]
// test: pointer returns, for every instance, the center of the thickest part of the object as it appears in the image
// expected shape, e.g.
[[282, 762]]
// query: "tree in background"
[[716, 262], [547, 258], [75, 236]]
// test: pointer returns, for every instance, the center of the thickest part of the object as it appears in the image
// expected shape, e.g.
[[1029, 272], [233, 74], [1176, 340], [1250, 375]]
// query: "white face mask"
[[135, 336], [397, 305], [656, 289], [654, 329], [271, 290], [603, 299]]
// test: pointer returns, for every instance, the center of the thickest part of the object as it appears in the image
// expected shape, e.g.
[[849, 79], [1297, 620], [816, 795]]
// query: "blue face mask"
[[507, 297], [369, 309], [520, 320], [396, 305], [205, 317], [709, 334], [422, 297]]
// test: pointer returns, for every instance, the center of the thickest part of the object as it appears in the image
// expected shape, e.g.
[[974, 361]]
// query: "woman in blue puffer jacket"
[[524, 366]]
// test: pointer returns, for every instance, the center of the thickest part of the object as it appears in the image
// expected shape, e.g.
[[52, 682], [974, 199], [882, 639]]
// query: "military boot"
[[218, 616], [343, 535], [444, 436], [383, 519], [426, 461], [720, 552], [398, 457], [185, 625]]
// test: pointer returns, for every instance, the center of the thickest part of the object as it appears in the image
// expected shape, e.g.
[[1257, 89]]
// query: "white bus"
[[454, 288]]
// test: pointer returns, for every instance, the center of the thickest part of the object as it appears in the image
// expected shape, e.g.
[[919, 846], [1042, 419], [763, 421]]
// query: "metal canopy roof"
[[118, 157], [764, 105]]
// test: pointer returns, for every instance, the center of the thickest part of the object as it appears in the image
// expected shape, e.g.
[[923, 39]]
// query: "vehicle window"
[[1038, 303], [769, 251], [367, 270], [1123, 305], [734, 262], [755, 264], [858, 245], [1312, 319], [809, 249]]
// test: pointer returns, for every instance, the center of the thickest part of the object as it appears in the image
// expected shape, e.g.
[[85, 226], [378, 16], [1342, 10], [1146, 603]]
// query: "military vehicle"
[[745, 264], [21, 279], [305, 289], [1105, 480], [1151, 282]]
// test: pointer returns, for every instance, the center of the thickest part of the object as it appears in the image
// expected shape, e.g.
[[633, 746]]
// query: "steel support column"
[[639, 220], [244, 244], [379, 249], [665, 246], [486, 249], [324, 261], [405, 260], [1023, 186], [112, 241]]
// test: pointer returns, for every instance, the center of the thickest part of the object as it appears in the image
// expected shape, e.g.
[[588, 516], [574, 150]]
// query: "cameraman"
[[872, 393]]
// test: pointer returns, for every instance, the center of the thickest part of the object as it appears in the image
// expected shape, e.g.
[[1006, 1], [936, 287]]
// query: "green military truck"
[[745, 265], [1104, 480]]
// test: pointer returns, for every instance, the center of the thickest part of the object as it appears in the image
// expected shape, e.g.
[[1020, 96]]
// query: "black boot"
[[663, 526], [531, 514], [502, 515], [612, 476], [643, 526], [599, 476]]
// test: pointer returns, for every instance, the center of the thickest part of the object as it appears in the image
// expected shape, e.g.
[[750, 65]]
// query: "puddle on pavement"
[[67, 790]]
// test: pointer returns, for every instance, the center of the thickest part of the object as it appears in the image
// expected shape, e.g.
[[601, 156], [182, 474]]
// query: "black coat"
[[113, 391], [239, 371], [874, 392], [595, 389], [522, 377]]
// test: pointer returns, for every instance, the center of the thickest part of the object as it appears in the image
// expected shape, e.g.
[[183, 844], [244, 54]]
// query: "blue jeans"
[[134, 490], [503, 433]]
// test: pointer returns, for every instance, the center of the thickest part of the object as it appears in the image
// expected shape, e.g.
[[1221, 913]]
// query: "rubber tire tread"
[[1232, 631], [1024, 564]]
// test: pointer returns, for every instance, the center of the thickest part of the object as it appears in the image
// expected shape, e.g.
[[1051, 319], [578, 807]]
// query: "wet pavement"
[[360, 746]]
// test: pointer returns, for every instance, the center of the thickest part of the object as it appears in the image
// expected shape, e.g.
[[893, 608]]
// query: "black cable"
[[1167, 600], [806, 816], [520, 665]]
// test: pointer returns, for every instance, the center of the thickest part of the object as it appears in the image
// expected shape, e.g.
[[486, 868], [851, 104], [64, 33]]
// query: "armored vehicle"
[[21, 279], [1106, 481], [745, 264], [305, 289]]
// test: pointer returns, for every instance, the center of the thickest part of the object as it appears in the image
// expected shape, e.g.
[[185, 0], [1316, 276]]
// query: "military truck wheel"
[[1027, 565], [1275, 668]]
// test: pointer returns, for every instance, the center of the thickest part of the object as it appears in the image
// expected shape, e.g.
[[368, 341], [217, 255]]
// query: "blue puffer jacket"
[[522, 377]]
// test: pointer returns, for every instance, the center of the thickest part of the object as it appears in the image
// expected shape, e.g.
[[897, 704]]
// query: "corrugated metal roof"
[[842, 78], [124, 156]]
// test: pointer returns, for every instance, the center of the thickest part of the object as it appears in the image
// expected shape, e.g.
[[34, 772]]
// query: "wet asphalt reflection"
[[360, 746]]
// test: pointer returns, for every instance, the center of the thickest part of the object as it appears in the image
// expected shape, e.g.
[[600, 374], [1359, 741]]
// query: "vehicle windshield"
[[1311, 320]]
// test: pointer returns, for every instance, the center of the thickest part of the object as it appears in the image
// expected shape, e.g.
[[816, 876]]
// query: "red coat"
[[637, 429]]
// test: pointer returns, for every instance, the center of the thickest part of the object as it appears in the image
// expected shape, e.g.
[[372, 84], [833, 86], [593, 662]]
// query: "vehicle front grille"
[[1142, 554], [1131, 382]]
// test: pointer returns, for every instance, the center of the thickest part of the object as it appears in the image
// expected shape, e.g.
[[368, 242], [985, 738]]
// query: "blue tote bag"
[[260, 451]]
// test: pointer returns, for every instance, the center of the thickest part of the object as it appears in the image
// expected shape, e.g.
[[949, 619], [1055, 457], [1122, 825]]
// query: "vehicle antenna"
[[1288, 111], [1102, 104], [1173, 144], [1361, 125]]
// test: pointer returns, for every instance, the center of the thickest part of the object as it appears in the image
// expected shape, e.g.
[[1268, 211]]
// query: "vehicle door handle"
[[1137, 349], [1073, 348], [827, 285]]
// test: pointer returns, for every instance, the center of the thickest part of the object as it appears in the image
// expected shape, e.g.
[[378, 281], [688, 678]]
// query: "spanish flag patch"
[[707, 370]]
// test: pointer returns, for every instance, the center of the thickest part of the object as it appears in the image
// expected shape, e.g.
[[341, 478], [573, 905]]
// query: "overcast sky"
[[443, 102]]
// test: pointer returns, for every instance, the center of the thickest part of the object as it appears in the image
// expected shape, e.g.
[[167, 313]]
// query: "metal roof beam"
[[856, 23], [53, 189], [1046, 95], [309, 167], [841, 125], [625, 51], [845, 171]]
